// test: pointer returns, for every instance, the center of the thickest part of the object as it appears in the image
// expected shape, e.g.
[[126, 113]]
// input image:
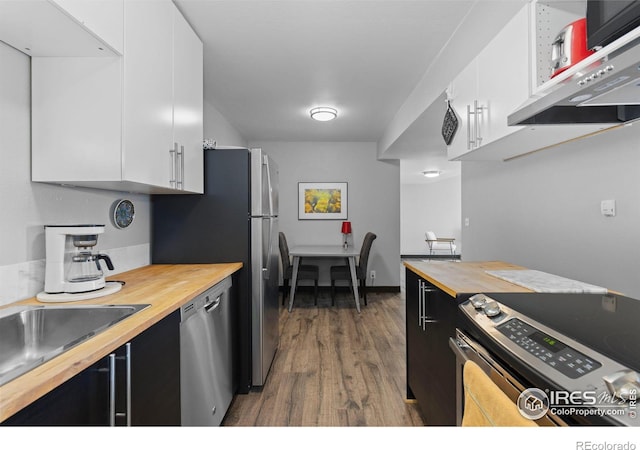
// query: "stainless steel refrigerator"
[[235, 220]]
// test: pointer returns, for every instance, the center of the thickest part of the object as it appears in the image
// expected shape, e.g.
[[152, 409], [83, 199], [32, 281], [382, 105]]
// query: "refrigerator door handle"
[[266, 271], [265, 161]]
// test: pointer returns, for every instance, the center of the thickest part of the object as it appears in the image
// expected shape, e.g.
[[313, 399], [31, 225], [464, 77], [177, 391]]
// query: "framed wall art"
[[322, 201]]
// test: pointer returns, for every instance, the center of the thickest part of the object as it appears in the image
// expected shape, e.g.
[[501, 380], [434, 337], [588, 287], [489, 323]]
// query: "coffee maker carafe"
[[72, 269]]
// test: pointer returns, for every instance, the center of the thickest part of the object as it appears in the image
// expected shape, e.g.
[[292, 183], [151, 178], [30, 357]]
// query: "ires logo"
[[578, 398], [534, 403]]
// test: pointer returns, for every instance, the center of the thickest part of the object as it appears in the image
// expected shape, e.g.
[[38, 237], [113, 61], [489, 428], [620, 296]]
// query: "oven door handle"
[[457, 348]]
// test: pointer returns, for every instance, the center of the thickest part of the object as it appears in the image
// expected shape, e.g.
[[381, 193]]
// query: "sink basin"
[[32, 335]]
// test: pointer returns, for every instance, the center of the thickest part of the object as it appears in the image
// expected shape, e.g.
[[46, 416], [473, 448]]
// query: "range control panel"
[[548, 349]]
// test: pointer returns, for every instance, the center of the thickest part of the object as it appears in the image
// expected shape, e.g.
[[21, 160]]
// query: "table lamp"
[[346, 229]]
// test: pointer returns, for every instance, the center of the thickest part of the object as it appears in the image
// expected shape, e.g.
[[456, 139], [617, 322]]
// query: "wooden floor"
[[334, 367]]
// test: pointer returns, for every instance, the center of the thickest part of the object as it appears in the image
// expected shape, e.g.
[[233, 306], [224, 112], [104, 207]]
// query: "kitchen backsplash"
[[25, 280]]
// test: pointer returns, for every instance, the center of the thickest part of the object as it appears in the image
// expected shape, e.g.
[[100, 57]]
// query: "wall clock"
[[123, 213]]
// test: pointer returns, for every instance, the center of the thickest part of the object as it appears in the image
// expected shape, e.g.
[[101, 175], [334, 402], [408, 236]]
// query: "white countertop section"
[[546, 282]]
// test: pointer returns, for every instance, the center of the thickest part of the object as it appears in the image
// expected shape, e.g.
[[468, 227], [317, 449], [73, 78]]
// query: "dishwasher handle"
[[211, 306]]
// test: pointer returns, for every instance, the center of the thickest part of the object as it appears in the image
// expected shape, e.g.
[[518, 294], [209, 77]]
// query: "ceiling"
[[267, 63]]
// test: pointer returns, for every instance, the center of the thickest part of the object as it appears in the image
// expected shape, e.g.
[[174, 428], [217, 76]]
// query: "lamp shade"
[[346, 227]]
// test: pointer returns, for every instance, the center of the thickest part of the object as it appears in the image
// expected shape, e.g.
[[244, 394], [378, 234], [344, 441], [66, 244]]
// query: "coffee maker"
[[72, 268]]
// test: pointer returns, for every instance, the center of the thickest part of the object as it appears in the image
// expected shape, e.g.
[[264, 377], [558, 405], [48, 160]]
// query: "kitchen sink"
[[32, 335]]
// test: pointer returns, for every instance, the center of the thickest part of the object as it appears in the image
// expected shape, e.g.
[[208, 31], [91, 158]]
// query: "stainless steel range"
[[574, 358]]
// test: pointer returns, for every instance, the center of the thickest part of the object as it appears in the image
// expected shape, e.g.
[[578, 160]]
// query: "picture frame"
[[322, 201]]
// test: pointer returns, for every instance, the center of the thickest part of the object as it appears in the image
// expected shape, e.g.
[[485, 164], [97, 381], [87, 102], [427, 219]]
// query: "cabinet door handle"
[[426, 317], [172, 171], [420, 300], [112, 390], [478, 111], [469, 141], [180, 177], [128, 364], [476, 118]]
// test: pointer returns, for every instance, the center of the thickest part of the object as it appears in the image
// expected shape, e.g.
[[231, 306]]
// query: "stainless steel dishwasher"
[[205, 357]]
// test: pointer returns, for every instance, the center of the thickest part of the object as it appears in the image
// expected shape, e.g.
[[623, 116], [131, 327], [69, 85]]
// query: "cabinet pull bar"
[[172, 171], [469, 142], [128, 352], [476, 119], [420, 296], [112, 390], [181, 172], [425, 311]]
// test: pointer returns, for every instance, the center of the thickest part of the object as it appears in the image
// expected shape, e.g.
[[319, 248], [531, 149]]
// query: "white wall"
[[433, 206], [217, 127], [543, 211], [373, 189], [27, 207]]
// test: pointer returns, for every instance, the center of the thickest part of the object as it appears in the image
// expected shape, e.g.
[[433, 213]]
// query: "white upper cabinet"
[[119, 123], [188, 104], [463, 96], [148, 93], [508, 71], [492, 86], [63, 27], [504, 77]]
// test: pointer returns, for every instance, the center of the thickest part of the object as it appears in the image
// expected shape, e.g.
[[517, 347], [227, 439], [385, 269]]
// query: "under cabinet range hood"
[[602, 88]]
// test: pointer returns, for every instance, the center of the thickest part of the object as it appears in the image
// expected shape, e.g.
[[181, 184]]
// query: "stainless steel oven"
[[576, 355], [467, 349]]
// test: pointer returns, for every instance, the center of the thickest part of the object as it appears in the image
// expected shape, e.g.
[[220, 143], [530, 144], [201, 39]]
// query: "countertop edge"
[[462, 277]]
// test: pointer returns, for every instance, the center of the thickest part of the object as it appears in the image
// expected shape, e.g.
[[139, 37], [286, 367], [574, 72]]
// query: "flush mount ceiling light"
[[323, 113], [431, 173]]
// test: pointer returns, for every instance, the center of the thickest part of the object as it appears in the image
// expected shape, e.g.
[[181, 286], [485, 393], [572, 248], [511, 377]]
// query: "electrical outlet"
[[373, 274]]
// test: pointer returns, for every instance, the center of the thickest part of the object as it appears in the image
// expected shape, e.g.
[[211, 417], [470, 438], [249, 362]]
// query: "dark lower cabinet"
[[431, 370], [155, 374], [137, 384]]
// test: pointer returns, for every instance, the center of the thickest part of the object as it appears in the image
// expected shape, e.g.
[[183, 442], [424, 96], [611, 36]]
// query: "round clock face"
[[123, 213]]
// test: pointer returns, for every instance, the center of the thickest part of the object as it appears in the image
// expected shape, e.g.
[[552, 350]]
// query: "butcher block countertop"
[[465, 277], [165, 287]]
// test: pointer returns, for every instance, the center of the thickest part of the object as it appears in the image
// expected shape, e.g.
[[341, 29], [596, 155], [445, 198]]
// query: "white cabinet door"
[[504, 76], [148, 93], [188, 105], [76, 120], [463, 92]]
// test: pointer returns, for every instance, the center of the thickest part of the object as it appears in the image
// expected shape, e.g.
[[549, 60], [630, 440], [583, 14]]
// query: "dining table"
[[324, 251]]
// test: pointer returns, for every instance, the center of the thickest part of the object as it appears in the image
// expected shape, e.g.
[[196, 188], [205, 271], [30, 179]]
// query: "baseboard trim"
[[429, 256], [370, 289]]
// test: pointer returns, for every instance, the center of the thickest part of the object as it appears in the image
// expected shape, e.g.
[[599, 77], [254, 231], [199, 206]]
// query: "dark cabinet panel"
[[79, 402], [431, 320], [153, 382], [155, 374]]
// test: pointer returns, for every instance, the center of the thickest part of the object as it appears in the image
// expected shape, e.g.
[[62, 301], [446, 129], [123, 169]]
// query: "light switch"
[[466, 221], [609, 303], [608, 208]]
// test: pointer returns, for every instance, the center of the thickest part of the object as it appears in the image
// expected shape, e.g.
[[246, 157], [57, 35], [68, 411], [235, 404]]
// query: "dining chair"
[[437, 244], [343, 273], [305, 271]]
